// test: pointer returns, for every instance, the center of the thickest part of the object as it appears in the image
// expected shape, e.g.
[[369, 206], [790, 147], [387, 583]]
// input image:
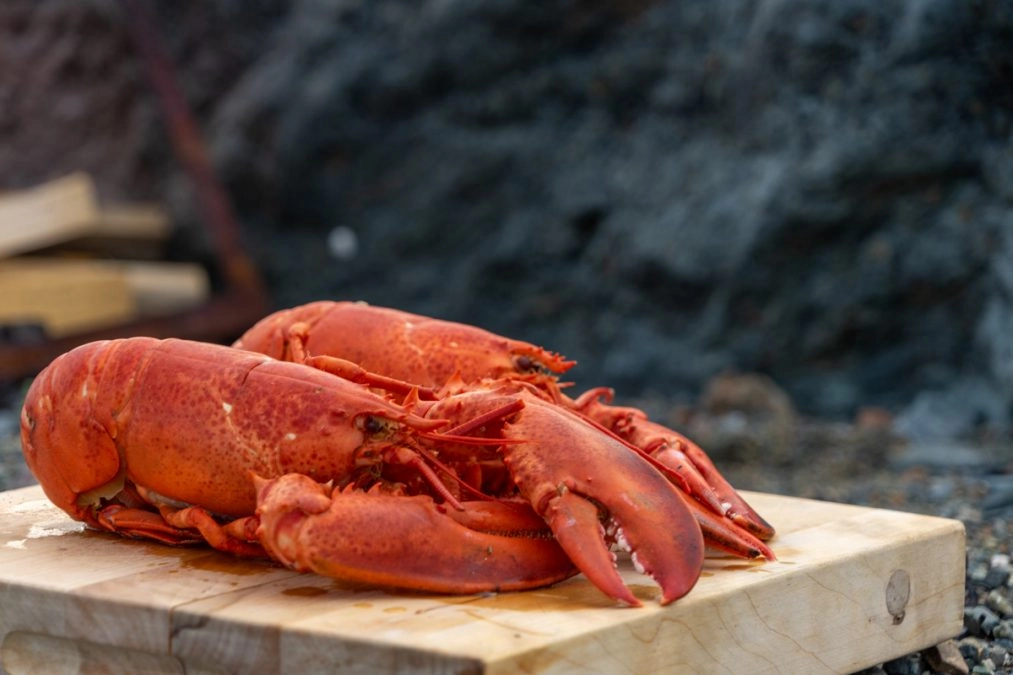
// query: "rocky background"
[[820, 191], [818, 194]]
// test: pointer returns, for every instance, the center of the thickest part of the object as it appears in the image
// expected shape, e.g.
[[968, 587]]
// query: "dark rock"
[[905, 665], [999, 603], [978, 571], [980, 620], [972, 648], [999, 656], [1004, 631], [996, 577]]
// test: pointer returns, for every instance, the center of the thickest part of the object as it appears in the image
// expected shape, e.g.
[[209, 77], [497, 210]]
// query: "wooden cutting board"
[[853, 587]]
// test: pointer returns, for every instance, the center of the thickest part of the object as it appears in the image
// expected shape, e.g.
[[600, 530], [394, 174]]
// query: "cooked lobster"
[[327, 466]]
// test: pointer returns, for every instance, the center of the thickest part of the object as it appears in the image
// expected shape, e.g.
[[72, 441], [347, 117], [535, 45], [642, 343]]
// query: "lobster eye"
[[373, 425], [525, 364]]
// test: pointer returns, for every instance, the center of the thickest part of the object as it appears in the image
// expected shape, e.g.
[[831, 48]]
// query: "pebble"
[[1004, 631], [999, 603], [996, 577], [972, 648], [999, 656], [978, 572], [980, 620], [998, 573]]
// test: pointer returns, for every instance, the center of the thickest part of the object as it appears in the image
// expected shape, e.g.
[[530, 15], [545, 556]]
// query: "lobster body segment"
[[186, 442]]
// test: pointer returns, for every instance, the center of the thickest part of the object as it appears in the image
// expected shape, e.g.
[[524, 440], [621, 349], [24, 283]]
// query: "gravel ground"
[[858, 463]]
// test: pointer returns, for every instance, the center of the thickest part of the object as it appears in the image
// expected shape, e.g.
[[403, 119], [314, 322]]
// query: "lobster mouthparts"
[[587, 484]]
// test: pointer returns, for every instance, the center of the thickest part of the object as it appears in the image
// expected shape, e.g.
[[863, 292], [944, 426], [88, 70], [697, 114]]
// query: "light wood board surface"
[[853, 587]]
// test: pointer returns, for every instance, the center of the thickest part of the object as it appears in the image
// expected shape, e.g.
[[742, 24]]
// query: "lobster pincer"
[[592, 491]]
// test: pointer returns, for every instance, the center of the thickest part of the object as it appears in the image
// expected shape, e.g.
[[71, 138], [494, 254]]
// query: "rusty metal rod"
[[217, 211]]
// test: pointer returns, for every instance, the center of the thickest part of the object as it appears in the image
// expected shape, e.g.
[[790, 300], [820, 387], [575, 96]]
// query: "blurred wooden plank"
[[47, 215], [66, 297], [132, 231], [69, 296], [163, 287], [132, 221], [66, 212]]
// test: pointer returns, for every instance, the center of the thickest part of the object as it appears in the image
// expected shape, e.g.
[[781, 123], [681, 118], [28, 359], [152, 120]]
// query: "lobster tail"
[[68, 435]]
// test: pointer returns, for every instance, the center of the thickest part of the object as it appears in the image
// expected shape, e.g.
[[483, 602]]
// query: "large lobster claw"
[[406, 542], [589, 486]]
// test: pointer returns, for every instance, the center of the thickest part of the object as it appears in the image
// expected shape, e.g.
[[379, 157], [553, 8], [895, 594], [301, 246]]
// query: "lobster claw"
[[589, 486], [406, 542]]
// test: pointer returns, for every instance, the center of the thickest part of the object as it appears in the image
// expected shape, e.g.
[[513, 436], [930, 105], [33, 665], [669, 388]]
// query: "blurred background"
[[818, 191], [785, 226]]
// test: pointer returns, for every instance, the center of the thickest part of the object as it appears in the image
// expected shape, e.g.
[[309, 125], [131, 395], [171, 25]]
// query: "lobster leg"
[[672, 449], [232, 537], [407, 542], [735, 507], [180, 526], [355, 373], [141, 523], [724, 535]]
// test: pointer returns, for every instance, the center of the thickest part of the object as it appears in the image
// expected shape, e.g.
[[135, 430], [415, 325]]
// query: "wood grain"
[[852, 587]]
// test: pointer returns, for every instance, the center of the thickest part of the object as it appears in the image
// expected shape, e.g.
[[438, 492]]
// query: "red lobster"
[[489, 488], [430, 352]]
